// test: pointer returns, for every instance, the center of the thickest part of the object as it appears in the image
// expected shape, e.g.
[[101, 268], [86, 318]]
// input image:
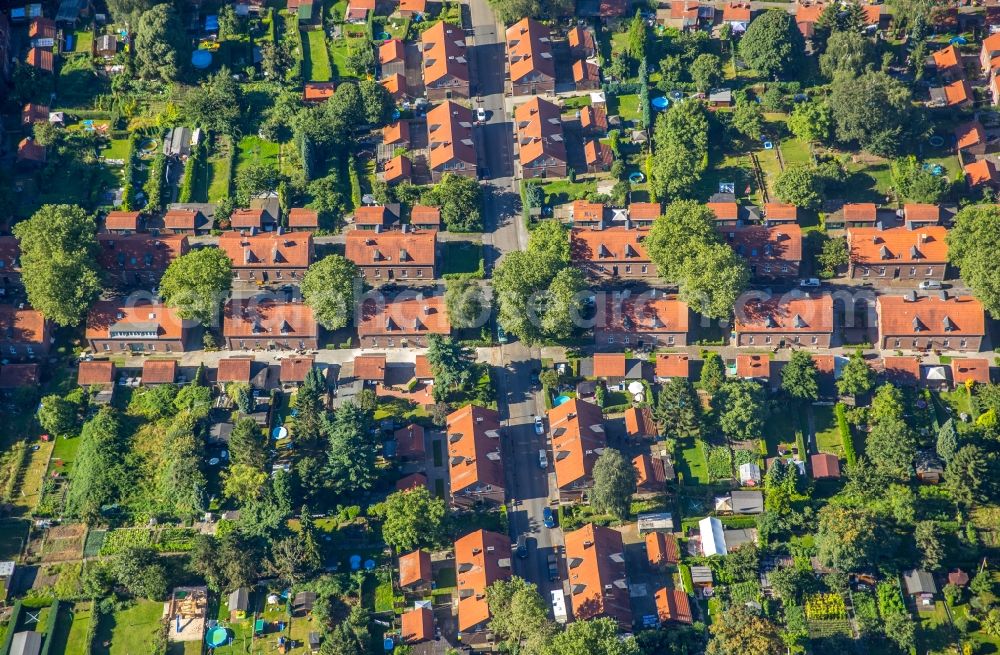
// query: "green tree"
[[833, 256], [196, 283], [947, 440], [450, 363], [740, 631], [798, 378], [678, 407], [239, 393], [800, 185], [58, 262], [742, 410], [713, 373], [680, 153], [411, 519], [60, 416], [706, 72], [460, 200], [846, 52], [378, 104], [929, 542], [635, 38], [140, 572], [966, 475], [857, 377], [563, 303], [850, 538], [685, 226], [914, 181], [519, 616], [812, 121], [161, 44], [614, 484], [713, 280], [351, 456], [328, 288], [253, 180], [891, 447], [467, 306], [594, 637], [242, 482], [972, 244], [748, 118], [216, 104], [99, 471], [873, 110], [773, 45], [248, 444], [887, 405]]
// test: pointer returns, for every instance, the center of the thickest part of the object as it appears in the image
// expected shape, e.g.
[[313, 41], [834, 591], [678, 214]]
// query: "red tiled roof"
[[930, 315], [862, 211], [412, 481], [96, 372], [597, 578], [410, 441], [597, 153], [901, 370], [422, 368], [473, 446], [808, 12], [785, 314], [869, 245], [481, 558], [404, 316], [268, 250], [390, 51], [778, 211], [370, 368], [639, 422], [41, 59], [662, 549], [104, 315], [371, 215], [577, 429], [28, 150], [247, 218], [397, 169], [982, 171], [234, 369], [970, 134], [736, 11], [425, 217], [417, 625], [181, 219], [673, 605], [724, 211], [398, 132], [444, 54], [825, 465], [21, 325], [921, 213], [644, 211], [284, 320], [977, 370], [159, 371], [414, 567], [368, 248], [449, 135], [780, 243], [753, 366], [139, 251], [395, 84], [585, 71], [13, 376], [642, 314], [673, 366], [295, 369], [584, 211], [318, 91], [616, 244], [529, 51], [593, 117], [609, 365], [947, 59], [122, 221], [34, 113], [301, 217], [958, 92], [539, 132]]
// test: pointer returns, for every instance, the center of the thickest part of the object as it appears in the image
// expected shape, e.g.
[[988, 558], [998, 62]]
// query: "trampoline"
[[279, 432], [217, 636], [201, 59], [355, 562], [636, 177], [659, 102], [214, 461]]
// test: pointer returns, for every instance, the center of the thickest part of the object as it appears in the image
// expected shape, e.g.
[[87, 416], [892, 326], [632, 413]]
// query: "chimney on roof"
[[942, 294], [910, 296]]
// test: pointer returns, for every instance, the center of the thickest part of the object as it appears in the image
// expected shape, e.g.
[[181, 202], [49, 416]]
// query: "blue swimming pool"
[[560, 400]]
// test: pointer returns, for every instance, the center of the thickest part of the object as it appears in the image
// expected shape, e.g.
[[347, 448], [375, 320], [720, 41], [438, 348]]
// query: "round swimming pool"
[[560, 399]]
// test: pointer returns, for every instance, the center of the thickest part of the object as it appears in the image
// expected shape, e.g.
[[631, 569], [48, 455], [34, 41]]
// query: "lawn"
[[316, 57], [64, 453], [70, 635], [827, 435], [256, 150], [958, 401], [83, 40], [34, 475], [563, 191], [117, 150], [78, 84], [628, 107], [339, 51], [692, 464], [779, 429], [129, 631], [217, 180], [935, 632], [463, 258]]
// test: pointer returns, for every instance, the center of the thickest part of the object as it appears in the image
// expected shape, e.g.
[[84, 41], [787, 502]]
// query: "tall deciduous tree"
[[460, 199], [800, 185], [742, 410], [929, 541], [196, 283], [713, 373], [160, 44], [467, 306], [798, 378], [706, 72], [850, 537], [740, 631], [748, 118], [216, 103], [411, 519], [58, 262], [973, 243], [614, 484], [812, 121], [328, 288], [680, 153], [857, 377], [450, 363], [873, 110], [593, 637], [773, 45], [891, 447], [519, 616], [846, 52]]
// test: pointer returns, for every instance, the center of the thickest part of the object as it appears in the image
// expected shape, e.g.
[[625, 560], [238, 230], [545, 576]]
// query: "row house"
[[989, 61], [771, 252], [251, 325], [641, 321], [541, 147], [954, 90], [778, 213], [301, 219], [258, 219], [578, 439], [374, 218], [672, 365], [475, 466], [615, 253], [424, 217], [598, 156], [245, 370], [10, 263], [404, 321], [449, 141], [392, 57], [898, 253], [446, 68], [593, 121], [137, 329], [138, 259], [24, 333], [981, 172], [268, 258], [785, 321], [582, 44], [937, 322], [586, 214], [970, 138], [727, 214], [393, 256], [531, 66], [186, 221], [860, 214], [595, 559], [415, 574], [586, 75], [806, 15], [395, 85], [481, 558], [737, 16], [121, 222]]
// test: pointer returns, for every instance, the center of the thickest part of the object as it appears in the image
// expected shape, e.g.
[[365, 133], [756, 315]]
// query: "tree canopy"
[[196, 283], [798, 378], [873, 110], [460, 200], [773, 45], [614, 484], [973, 242], [680, 152], [740, 631], [328, 288], [161, 44], [411, 519]]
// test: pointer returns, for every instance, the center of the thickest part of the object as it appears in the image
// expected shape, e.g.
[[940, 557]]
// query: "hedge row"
[[191, 170], [50, 628], [850, 454]]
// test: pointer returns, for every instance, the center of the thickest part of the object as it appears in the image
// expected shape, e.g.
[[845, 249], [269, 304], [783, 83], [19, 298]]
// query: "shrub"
[[850, 455]]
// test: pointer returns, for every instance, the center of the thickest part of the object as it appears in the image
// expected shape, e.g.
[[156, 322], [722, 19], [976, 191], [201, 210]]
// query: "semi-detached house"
[[595, 559], [446, 69], [541, 147], [249, 325], [617, 252], [393, 256], [899, 253], [449, 141], [475, 467], [529, 56], [272, 257], [785, 321], [935, 322], [578, 439]]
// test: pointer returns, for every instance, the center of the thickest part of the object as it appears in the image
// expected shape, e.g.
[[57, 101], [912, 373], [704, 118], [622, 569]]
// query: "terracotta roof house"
[[24, 333], [132, 260], [293, 370], [826, 369], [672, 366], [595, 558], [252, 219], [529, 55], [806, 15], [10, 262], [753, 367], [989, 50], [358, 10], [410, 442], [415, 569], [898, 253], [301, 219], [971, 138], [481, 558], [42, 28], [578, 438], [541, 148], [952, 95], [673, 605], [825, 465], [597, 155], [609, 366], [30, 153], [120, 222], [863, 214], [395, 84], [581, 42], [738, 15], [397, 170], [159, 371], [417, 625], [186, 221], [642, 321], [662, 549], [136, 329], [412, 481], [784, 321], [965, 370], [776, 213], [639, 423], [392, 57], [99, 373], [446, 67], [270, 257], [948, 63], [901, 371], [396, 134], [593, 121], [449, 136], [423, 217], [643, 214], [980, 172], [389, 256], [370, 368], [650, 474], [474, 463], [41, 59], [919, 215], [373, 218], [234, 369], [407, 320], [726, 213], [771, 252], [939, 322], [586, 75], [613, 253], [422, 368], [410, 8], [316, 92], [583, 213], [269, 325], [686, 14]]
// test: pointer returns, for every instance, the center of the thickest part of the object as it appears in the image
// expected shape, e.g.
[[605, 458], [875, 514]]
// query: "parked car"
[[930, 284], [522, 546], [501, 335], [480, 115], [539, 425], [543, 460], [809, 282], [548, 519], [553, 563]]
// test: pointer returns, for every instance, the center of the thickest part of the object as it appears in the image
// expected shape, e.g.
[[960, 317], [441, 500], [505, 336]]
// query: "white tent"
[[713, 541]]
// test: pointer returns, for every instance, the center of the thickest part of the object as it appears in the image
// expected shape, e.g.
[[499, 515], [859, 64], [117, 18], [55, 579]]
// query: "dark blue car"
[[548, 517]]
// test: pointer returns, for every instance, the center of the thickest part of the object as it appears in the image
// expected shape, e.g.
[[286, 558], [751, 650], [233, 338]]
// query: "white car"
[[543, 460], [930, 284], [809, 282], [539, 426], [480, 115]]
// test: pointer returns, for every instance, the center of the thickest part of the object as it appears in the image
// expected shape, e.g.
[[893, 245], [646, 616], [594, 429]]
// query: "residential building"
[[529, 52], [397, 134], [771, 252], [541, 148], [253, 219], [737, 15], [864, 214], [34, 113], [673, 606], [593, 121], [245, 370], [423, 217], [639, 423], [10, 263], [825, 466], [271, 258], [970, 371], [446, 68], [474, 463], [269, 325], [584, 214], [415, 571], [138, 259], [598, 156], [642, 215], [317, 92], [301, 219], [806, 15], [450, 142], [578, 439], [753, 367], [901, 371], [397, 170], [970, 138], [392, 57], [917, 216], [186, 221], [582, 44], [293, 370], [390, 256], [642, 321], [481, 558], [96, 373], [777, 213], [785, 321], [373, 218], [672, 366], [595, 559], [159, 371], [395, 84], [140, 328], [586, 75], [727, 214], [617, 252], [410, 445], [407, 320], [989, 54], [948, 64], [417, 625], [370, 369], [898, 253], [937, 322], [24, 333], [120, 222], [978, 173], [662, 549]]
